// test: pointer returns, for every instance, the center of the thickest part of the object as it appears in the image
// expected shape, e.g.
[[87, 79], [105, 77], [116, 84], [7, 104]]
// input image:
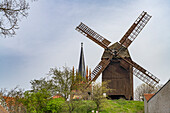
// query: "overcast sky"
[[47, 38]]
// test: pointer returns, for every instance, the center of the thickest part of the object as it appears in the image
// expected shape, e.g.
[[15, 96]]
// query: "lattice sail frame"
[[135, 29], [86, 31], [99, 69], [143, 74]]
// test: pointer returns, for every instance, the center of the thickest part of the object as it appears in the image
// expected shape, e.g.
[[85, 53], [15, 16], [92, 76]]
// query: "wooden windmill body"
[[120, 75], [116, 64]]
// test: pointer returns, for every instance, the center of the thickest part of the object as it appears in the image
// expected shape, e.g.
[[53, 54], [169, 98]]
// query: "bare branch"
[[144, 88], [11, 11]]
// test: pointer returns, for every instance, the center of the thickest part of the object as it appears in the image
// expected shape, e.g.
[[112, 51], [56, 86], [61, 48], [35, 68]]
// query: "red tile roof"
[[3, 110], [57, 96], [148, 96], [9, 100]]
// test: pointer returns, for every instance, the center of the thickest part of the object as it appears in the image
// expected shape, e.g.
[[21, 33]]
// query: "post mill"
[[116, 64]]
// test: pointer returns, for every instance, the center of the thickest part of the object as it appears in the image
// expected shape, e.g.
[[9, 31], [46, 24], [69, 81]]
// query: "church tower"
[[82, 72], [81, 68]]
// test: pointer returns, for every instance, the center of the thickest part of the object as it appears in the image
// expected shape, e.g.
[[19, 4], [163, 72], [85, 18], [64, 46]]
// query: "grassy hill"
[[123, 106], [113, 106]]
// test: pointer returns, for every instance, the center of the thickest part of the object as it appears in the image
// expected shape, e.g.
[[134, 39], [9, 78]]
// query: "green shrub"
[[55, 105]]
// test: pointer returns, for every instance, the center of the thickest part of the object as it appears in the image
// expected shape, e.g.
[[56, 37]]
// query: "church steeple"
[[81, 68]]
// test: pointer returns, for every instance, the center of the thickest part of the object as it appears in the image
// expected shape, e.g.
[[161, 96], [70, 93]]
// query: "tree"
[[12, 11], [97, 93], [59, 81], [39, 99], [62, 80], [36, 102], [55, 105], [144, 88], [43, 83]]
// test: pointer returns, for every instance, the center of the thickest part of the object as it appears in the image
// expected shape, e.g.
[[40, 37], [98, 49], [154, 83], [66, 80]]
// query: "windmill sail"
[[85, 30], [143, 74], [135, 29], [99, 69]]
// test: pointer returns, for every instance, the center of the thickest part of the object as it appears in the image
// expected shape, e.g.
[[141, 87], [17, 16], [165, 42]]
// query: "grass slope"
[[122, 106], [109, 106]]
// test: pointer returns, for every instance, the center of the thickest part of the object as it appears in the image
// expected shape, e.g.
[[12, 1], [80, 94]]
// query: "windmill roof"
[[124, 52]]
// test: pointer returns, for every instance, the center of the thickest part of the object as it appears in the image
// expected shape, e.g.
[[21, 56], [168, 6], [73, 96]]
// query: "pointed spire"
[[81, 68]]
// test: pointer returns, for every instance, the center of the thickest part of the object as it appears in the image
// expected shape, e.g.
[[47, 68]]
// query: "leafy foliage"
[[55, 105], [97, 95], [58, 81], [61, 80], [43, 83], [36, 102]]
